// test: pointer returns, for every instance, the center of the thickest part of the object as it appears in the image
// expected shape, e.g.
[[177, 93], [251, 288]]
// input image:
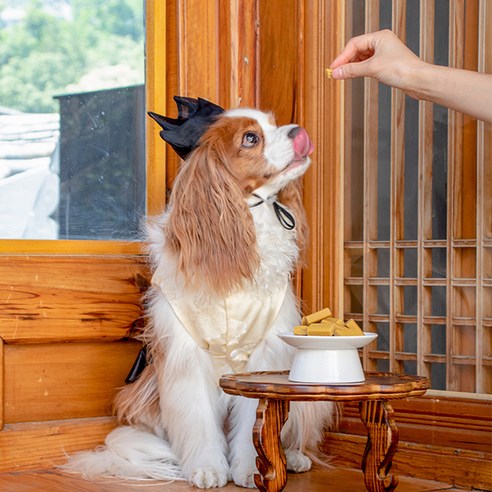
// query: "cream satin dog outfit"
[[228, 328]]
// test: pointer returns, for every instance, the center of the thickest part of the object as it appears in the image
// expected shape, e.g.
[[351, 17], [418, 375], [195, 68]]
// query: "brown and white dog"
[[222, 256]]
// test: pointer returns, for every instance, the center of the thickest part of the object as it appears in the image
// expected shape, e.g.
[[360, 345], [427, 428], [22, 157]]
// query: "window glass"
[[72, 157]]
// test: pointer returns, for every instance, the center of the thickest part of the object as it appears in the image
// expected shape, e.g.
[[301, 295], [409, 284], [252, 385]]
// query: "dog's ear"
[[209, 227]]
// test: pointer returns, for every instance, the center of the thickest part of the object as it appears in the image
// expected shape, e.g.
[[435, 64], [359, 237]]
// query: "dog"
[[222, 256]]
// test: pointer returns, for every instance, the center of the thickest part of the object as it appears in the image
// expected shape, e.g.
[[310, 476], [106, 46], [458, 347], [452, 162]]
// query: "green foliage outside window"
[[60, 46]]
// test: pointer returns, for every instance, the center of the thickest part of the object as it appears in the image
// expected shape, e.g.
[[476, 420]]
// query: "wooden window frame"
[[155, 90]]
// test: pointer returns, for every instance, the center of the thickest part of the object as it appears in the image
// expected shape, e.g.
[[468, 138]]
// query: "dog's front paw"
[[297, 462], [207, 477], [244, 476]]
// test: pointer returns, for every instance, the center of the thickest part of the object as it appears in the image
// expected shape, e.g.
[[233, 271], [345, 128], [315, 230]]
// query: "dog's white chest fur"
[[230, 328], [276, 245]]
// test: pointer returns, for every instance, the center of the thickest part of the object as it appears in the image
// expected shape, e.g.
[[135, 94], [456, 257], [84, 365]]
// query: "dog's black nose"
[[292, 133]]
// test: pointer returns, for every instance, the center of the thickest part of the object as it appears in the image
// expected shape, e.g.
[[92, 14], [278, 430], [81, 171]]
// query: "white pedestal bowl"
[[327, 359]]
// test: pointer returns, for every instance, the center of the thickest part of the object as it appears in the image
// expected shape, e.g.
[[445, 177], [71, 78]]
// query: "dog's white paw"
[[244, 476], [297, 462], [207, 477]]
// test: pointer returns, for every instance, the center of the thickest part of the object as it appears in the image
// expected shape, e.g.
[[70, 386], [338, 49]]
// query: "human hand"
[[380, 55], [383, 56]]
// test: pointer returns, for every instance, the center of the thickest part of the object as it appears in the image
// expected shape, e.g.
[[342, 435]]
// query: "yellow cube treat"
[[315, 317], [354, 328], [300, 330], [342, 331], [351, 329], [336, 321], [330, 323], [321, 330], [328, 72]]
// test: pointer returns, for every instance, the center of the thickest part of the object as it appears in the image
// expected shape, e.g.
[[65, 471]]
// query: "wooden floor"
[[326, 480]]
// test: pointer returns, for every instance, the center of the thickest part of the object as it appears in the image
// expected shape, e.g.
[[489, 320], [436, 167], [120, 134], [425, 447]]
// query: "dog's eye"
[[250, 139]]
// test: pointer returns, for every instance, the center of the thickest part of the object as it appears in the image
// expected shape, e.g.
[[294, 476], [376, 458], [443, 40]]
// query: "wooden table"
[[275, 391]]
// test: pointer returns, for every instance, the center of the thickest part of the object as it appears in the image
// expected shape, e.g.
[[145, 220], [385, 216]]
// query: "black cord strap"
[[138, 366], [285, 218]]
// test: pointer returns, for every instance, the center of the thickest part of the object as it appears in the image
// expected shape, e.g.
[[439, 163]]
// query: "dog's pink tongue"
[[302, 144]]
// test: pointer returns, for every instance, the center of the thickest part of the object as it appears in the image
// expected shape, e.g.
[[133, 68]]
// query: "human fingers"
[[380, 55], [357, 49], [352, 70]]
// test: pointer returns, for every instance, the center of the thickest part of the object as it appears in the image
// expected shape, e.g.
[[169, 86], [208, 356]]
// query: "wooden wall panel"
[[65, 380], [321, 114], [211, 52], [64, 328], [462, 469], [450, 420], [280, 59], [238, 34], [62, 298], [38, 445]]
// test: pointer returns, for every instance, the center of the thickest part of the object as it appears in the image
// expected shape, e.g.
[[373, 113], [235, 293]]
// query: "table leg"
[[382, 442], [271, 416]]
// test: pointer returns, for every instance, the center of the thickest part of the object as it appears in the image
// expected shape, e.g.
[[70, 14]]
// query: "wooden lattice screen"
[[418, 204]]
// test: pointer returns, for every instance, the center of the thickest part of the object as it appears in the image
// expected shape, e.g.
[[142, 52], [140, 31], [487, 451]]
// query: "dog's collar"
[[285, 218]]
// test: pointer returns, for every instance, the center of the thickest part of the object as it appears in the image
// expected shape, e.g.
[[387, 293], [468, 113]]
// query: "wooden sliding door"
[[417, 220], [417, 228]]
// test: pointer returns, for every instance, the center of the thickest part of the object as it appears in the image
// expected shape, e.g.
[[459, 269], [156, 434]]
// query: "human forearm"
[[461, 90]]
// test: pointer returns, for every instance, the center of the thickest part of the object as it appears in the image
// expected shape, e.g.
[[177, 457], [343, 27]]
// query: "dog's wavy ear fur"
[[210, 228]]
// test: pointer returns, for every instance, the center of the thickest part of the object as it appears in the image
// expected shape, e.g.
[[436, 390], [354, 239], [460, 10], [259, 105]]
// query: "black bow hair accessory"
[[184, 132]]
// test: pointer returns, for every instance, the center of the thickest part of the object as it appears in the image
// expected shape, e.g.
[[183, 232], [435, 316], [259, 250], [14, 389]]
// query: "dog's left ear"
[[209, 226]]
